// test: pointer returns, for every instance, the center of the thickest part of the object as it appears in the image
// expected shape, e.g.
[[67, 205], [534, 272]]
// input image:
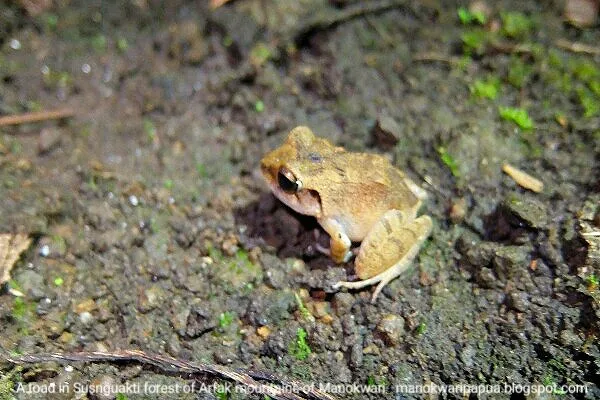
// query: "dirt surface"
[[153, 230]]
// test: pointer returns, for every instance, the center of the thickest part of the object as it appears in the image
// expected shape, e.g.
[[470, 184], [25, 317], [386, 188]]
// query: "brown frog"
[[355, 197]]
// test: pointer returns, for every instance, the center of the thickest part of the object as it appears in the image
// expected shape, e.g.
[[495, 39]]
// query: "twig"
[[523, 179], [436, 57], [576, 47], [327, 20], [35, 117], [276, 388]]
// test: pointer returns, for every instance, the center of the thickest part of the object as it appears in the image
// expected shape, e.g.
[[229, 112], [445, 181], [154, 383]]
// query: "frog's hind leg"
[[389, 249]]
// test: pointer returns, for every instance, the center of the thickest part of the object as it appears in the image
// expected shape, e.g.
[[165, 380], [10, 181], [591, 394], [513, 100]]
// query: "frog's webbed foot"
[[388, 250]]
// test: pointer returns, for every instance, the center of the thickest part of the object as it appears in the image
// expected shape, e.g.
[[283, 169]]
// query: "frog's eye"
[[287, 181]]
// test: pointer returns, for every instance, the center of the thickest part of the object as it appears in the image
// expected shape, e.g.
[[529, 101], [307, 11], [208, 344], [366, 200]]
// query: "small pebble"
[[48, 139], [391, 327], [15, 44], [86, 318], [133, 200], [45, 251]]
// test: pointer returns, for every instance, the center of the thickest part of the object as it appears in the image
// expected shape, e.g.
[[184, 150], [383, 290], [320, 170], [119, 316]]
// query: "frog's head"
[[289, 171]]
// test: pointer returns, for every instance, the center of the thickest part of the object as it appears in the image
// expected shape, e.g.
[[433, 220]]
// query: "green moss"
[[518, 72], [464, 62], [594, 86], [373, 381], [555, 59], [549, 380], [149, 129], [303, 310], [592, 280], [22, 313], [448, 161], [584, 69], [121, 396], [235, 273], [259, 106], [467, 17], [487, 89], [122, 45], [517, 115], [221, 393], [99, 43], [299, 349], [8, 381], [421, 328], [474, 41], [589, 102], [260, 54], [57, 79], [201, 169], [214, 253], [516, 25], [50, 21], [19, 310], [59, 281], [225, 319]]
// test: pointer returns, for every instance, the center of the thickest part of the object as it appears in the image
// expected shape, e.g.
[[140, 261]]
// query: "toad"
[[355, 197]]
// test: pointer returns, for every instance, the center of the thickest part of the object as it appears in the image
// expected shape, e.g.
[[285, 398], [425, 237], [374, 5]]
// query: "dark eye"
[[286, 181]]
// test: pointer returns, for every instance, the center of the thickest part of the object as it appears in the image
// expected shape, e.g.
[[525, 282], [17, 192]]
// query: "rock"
[[150, 298], [581, 13], [391, 329], [518, 301], [85, 305], [487, 279], [199, 321], [187, 42], [173, 346], [356, 355], [458, 210], [103, 383], [86, 318], [531, 211], [272, 308], [319, 308], [263, 332], [510, 261], [48, 139], [570, 338], [224, 356], [342, 303], [32, 284]]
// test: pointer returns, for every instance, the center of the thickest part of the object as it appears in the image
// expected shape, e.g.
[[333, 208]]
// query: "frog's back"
[[365, 186], [379, 177]]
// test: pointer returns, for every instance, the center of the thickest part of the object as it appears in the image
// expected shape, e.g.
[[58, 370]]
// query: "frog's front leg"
[[339, 242], [389, 249]]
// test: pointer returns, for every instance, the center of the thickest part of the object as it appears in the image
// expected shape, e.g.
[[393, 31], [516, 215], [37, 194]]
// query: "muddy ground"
[[153, 230]]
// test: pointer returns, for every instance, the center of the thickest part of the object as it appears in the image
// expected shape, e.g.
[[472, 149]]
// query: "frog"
[[355, 197]]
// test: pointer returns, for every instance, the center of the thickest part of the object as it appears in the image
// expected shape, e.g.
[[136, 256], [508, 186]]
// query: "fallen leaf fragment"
[[523, 179], [217, 3], [11, 247]]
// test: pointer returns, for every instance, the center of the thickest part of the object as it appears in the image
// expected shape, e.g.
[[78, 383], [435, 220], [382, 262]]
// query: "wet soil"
[[153, 229]]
